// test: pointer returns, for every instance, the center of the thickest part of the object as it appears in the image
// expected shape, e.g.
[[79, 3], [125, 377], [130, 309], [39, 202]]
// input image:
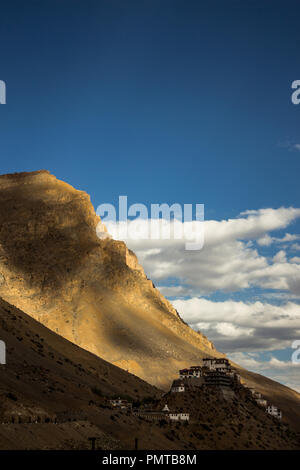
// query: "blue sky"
[[163, 101]]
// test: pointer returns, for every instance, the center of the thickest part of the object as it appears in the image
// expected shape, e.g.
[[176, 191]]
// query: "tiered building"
[[217, 364], [213, 371]]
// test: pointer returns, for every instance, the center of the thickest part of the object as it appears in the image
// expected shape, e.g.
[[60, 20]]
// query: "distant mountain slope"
[[93, 292]]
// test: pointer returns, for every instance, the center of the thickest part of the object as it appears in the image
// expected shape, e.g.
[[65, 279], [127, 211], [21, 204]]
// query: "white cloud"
[[248, 317], [295, 246], [174, 291], [279, 296], [266, 240], [287, 238], [285, 372], [246, 360], [240, 326], [231, 330], [229, 260], [280, 257]]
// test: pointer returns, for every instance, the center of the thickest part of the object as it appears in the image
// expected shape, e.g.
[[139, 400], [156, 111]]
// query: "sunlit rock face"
[[89, 289]]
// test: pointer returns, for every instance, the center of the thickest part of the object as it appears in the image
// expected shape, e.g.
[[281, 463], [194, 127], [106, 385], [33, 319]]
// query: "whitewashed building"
[[177, 387], [174, 416], [191, 372], [274, 411], [261, 402], [120, 403], [217, 364]]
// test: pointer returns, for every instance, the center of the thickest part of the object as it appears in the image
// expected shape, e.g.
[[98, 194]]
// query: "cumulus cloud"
[[267, 240], [229, 260], [239, 326], [295, 246], [280, 257], [285, 372]]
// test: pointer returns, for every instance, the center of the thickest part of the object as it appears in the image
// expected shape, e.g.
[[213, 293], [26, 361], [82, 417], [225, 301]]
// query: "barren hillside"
[[54, 395]]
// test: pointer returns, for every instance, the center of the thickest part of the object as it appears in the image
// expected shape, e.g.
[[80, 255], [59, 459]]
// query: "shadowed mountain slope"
[[53, 395], [44, 376]]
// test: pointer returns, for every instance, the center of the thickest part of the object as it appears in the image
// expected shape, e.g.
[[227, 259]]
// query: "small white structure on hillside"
[[191, 372], [119, 403], [174, 416], [177, 387], [274, 411], [261, 401], [238, 378]]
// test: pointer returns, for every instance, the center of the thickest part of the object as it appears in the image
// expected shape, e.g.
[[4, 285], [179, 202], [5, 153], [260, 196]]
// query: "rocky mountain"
[[92, 291]]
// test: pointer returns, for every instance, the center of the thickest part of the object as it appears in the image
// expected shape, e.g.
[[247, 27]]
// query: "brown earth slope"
[[93, 292], [222, 418], [47, 377]]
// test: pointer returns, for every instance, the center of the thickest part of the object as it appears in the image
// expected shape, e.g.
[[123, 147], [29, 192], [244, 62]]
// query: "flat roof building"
[[274, 411]]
